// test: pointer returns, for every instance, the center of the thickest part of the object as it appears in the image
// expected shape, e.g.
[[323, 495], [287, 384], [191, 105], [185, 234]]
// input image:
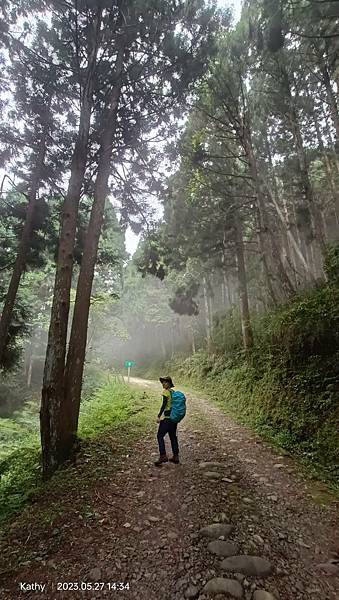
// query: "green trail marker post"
[[128, 365]]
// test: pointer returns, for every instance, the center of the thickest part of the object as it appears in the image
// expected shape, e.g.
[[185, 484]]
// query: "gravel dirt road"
[[278, 535]]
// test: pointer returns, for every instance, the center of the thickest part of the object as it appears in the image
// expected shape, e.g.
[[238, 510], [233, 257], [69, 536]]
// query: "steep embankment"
[[142, 525]]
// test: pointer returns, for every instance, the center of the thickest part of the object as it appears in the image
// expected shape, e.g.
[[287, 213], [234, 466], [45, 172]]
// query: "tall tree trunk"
[[330, 139], [264, 227], [247, 333], [162, 346], [210, 303], [192, 339], [223, 293], [55, 445], [303, 245], [274, 197], [228, 294], [30, 371], [225, 282], [267, 277], [77, 342], [207, 315], [331, 97], [306, 184], [29, 359], [293, 119], [23, 249], [335, 195]]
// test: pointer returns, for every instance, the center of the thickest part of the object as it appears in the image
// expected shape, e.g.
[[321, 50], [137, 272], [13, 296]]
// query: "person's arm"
[[163, 406]]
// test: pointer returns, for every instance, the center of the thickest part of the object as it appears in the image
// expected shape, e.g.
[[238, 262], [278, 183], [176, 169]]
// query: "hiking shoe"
[[161, 461], [174, 459]]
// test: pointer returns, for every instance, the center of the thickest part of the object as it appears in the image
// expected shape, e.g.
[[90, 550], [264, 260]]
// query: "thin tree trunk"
[[310, 255], [172, 344], [328, 168], [193, 339], [77, 342], [207, 315], [210, 304], [274, 199], [247, 333], [330, 139], [225, 283], [265, 269], [55, 445], [162, 346], [300, 238], [29, 371], [24, 246], [230, 303], [330, 93], [223, 293], [316, 259]]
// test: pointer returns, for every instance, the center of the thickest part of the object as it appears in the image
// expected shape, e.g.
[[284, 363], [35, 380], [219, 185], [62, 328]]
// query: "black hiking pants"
[[168, 426]]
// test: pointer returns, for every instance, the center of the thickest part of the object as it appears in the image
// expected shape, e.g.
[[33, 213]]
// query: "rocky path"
[[234, 520]]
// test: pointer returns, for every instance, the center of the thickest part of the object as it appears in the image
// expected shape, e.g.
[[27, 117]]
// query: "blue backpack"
[[178, 409]]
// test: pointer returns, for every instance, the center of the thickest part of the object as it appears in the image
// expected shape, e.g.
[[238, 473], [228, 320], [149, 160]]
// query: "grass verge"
[[109, 423], [247, 405]]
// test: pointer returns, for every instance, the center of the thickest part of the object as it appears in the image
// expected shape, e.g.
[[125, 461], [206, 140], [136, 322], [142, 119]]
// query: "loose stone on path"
[[95, 574], [216, 530], [212, 465], [263, 595], [192, 592], [248, 565], [221, 548], [220, 585], [212, 475]]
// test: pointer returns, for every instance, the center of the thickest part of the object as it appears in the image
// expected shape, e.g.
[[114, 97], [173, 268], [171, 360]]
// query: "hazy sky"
[[236, 4], [131, 238]]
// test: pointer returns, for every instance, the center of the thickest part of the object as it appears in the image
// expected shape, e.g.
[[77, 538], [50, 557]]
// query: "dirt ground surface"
[[146, 534]]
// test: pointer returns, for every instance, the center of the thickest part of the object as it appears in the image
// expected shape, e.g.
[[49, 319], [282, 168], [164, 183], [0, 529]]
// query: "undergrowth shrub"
[[13, 392], [288, 391]]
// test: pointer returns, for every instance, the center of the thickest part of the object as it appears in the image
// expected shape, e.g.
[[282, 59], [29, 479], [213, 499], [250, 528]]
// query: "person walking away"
[[172, 411]]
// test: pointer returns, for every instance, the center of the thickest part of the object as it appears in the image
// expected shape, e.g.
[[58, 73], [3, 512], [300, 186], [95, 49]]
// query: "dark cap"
[[167, 380]]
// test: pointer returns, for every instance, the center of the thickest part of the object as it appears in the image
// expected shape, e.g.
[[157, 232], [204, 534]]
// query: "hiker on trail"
[[173, 409]]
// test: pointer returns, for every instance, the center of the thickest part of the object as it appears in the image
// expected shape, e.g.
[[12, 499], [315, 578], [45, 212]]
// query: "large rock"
[[248, 565], [263, 595], [220, 585], [221, 548], [192, 592], [212, 475], [216, 530]]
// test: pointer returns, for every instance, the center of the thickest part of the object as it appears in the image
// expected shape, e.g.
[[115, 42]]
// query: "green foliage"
[[13, 393], [112, 405], [305, 329], [331, 263], [289, 393], [227, 338], [94, 379], [112, 408], [183, 302]]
